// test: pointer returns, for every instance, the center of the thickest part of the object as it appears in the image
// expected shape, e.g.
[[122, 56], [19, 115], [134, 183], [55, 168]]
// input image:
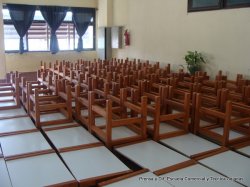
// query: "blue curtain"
[[54, 16], [81, 19], [22, 17]]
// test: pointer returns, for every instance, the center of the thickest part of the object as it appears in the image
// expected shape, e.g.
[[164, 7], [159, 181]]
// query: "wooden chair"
[[227, 118], [10, 94], [170, 117], [57, 107], [24, 86], [82, 102], [132, 118]]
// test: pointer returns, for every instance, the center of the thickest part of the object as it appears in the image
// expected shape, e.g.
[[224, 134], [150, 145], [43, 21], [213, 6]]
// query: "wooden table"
[[58, 126], [190, 145], [197, 176], [41, 170], [16, 126], [146, 179], [232, 134], [24, 144], [11, 113], [71, 137], [245, 150], [4, 176], [91, 165], [230, 164], [51, 117], [152, 155]]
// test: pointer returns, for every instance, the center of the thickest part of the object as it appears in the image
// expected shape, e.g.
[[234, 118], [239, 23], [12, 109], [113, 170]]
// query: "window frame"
[[222, 5], [205, 8], [240, 5], [93, 23]]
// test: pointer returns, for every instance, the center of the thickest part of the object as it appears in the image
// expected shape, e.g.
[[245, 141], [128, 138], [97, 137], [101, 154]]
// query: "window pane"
[[237, 2], [199, 5], [88, 41], [6, 14], [38, 35], [38, 16], [65, 36], [68, 16], [88, 38], [12, 39], [205, 3]]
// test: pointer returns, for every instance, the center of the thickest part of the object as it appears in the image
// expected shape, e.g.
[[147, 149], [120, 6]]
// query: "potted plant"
[[194, 61]]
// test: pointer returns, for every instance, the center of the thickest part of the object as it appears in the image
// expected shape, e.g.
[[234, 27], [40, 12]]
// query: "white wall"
[[162, 30], [105, 13], [28, 62], [2, 55]]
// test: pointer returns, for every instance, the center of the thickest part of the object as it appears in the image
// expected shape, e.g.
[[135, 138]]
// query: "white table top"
[[69, 137], [51, 117], [122, 132], [204, 123], [23, 143], [151, 155], [1, 153], [8, 86], [99, 121], [149, 118], [165, 128], [4, 176], [84, 112], [9, 103], [204, 177], [16, 124], [12, 112], [60, 125], [93, 162], [230, 164], [42, 170], [232, 134], [189, 144], [245, 150], [6, 98], [6, 91], [147, 179]]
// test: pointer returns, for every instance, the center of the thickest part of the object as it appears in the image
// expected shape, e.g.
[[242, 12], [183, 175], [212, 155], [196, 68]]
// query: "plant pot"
[[193, 69]]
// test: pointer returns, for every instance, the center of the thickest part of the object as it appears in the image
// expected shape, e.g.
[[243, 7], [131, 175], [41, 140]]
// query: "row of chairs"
[[138, 95], [208, 89]]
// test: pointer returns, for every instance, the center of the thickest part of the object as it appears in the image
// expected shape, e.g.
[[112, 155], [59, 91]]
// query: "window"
[[38, 35], [200, 5]]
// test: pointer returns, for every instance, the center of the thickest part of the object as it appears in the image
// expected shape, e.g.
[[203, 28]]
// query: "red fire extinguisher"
[[126, 37]]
